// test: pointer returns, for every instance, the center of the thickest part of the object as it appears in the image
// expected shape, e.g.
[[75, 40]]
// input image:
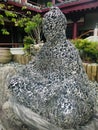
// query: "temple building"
[[82, 16]]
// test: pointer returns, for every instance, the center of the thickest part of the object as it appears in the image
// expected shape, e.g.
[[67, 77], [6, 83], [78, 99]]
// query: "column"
[[75, 17], [53, 2], [75, 29]]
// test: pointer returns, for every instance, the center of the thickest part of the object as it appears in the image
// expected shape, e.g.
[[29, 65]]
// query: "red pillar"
[[53, 2], [75, 30]]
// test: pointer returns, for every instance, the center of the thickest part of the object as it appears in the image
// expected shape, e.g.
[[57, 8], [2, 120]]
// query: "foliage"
[[7, 15], [27, 43], [10, 14], [2, 6], [88, 49], [4, 31], [33, 27], [24, 7], [28, 40], [1, 19], [30, 24], [49, 4]]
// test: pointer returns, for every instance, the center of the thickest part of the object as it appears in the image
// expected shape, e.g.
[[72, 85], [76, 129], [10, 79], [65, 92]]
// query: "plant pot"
[[17, 51], [5, 55], [22, 59]]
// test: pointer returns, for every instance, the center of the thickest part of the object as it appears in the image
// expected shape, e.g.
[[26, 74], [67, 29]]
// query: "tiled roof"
[[76, 5]]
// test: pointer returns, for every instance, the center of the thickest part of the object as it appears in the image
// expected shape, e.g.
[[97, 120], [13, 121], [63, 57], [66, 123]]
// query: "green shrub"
[[49, 4], [28, 41], [88, 49]]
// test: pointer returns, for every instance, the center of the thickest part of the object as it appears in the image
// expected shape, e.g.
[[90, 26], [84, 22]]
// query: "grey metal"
[[55, 85]]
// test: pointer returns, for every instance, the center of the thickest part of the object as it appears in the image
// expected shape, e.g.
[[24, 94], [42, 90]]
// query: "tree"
[[30, 24]]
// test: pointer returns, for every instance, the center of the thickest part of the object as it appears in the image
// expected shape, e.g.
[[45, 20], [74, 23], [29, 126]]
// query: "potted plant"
[[30, 25], [5, 55], [33, 27]]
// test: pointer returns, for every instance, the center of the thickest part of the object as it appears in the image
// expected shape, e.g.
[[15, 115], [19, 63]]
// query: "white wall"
[[90, 21]]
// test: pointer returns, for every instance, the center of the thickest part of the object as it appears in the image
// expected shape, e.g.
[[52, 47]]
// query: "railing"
[[10, 44], [33, 3], [65, 2], [29, 4], [91, 70]]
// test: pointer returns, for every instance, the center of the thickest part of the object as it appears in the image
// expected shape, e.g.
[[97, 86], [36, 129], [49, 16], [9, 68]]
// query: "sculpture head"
[[54, 23]]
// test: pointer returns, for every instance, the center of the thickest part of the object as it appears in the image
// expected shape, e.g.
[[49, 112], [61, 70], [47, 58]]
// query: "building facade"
[[82, 16]]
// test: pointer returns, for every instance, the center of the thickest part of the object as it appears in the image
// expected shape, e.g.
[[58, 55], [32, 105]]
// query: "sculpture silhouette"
[[55, 85]]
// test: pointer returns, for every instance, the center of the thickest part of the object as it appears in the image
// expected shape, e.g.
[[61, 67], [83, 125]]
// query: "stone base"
[[18, 117], [35, 122]]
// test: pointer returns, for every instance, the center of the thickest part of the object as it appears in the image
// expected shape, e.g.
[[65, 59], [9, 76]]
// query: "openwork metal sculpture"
[[55, 85]]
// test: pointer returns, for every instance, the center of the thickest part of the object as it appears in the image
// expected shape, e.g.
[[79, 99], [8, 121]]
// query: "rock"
[[34, 49], [1, 126], [54, 87], [5, 73], [8, 119]]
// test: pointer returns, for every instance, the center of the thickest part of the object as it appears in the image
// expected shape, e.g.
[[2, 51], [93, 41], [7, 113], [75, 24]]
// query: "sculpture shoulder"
[[59, 49]]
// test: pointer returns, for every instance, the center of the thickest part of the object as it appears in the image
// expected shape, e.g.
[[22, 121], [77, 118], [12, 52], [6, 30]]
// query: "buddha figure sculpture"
[[55, 85]]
